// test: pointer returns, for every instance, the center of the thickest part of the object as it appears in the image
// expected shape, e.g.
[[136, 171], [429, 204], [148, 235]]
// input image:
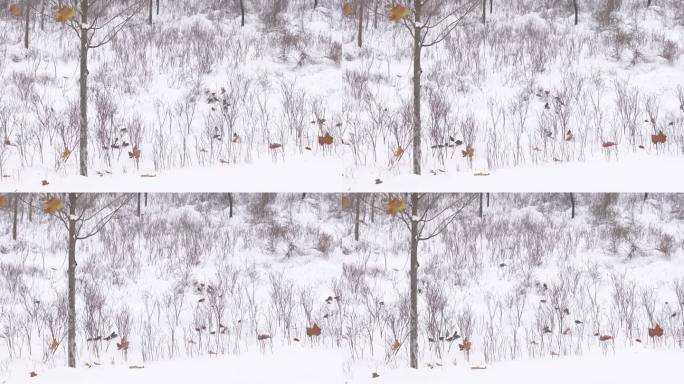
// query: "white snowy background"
[[203, 98], [191, 289]]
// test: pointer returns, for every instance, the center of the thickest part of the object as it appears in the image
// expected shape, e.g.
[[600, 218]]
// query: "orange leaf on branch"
[[399, 152], [346, 202], [347, 9], [468, 152], [135, 154], [14, 10], [398, 12], [52, 205], [394, 206], [64, 14], [4, 201]]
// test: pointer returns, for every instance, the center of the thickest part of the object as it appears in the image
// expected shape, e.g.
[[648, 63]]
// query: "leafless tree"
[[103, 19], [426, 216], [441, 18], [83, 216]]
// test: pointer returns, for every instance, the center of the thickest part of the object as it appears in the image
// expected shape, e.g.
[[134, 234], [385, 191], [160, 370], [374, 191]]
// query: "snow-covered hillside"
[[212, 105], [197, 294]]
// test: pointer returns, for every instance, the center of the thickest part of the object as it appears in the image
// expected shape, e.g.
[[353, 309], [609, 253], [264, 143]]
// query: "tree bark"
[[230, 205], [149, 17], [42, 15], [138, 208], [491, 6], [487, 199], [157, 7], [357, 209], [71, 273], [417, 72], [359, 37], [83, 83], [484, 11], [15, 210], [574, 4], [572, 204], [30, 208], [242, 12], [27, 23], [481, 198], [413, 331]]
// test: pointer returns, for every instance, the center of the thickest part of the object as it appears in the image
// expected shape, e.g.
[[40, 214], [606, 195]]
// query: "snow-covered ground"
[[535, 96], [294, 365], [539, 295]]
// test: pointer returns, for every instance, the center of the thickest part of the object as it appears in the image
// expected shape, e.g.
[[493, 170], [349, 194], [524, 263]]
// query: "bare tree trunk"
[[648, 4], [491, 6], [83, 84], [230, 205], [359, 37], [572, 204], [242, 12], [71, 273], [138, 209], [315, 3], [145, 199], [413, 326], [30, 208], [372, 208], [481, 198], [149, 17], [417, 72], [574, 4], [484, 11], [157, 7], [42, 15], [27, 23], [487, 199], [375, 15], [357, 209], [15, 210]]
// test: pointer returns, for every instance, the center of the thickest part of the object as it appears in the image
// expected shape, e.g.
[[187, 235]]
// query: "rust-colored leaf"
[[14, 10], [394, 206], [123, 345], [605, 338], [399, 152], [465, 347], [660, 138], [52, 205], [65, 154], [346, 202], [33, 374], [64, 14], [395, 345], [4, 201], [347, 9], [274, 146], [135, 153], [468, 152], [53, 345], [609, 144], [656, 331], [263, 337], [314, 330], [375, 375], [398, 12], [325, 139]]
